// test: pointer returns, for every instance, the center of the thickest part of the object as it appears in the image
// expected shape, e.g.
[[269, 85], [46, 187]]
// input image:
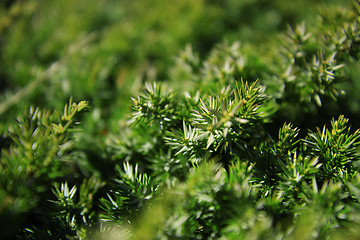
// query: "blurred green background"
[[102, 51]]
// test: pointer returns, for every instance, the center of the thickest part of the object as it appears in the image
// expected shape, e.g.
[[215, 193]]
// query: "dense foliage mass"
[[195, 119]]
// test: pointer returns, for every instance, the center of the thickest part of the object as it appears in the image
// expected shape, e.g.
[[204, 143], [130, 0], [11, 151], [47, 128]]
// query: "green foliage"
[[336, 149], [40, 154], [248, 132], [130, 193]]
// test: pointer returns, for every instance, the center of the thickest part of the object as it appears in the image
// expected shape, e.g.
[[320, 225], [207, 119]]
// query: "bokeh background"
[[103, 51]]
